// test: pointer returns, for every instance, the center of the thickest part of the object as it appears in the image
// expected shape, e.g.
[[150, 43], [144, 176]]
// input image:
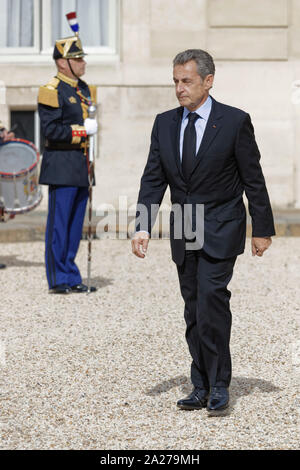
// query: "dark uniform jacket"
[[226, 165], [63, 105]]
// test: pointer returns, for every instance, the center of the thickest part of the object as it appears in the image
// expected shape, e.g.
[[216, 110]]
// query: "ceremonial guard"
[[63, 110]]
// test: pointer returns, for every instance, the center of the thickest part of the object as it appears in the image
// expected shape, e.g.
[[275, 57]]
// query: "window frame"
[[35, 49], [43, 47]]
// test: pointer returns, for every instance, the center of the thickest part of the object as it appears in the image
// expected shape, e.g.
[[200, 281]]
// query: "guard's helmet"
[[68, 48]]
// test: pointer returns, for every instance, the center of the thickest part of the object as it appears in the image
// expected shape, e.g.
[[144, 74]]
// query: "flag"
[[72, 19]]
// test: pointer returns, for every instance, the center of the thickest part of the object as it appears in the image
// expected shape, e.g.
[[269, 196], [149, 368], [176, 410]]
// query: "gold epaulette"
[[93, 92], [48, 94]]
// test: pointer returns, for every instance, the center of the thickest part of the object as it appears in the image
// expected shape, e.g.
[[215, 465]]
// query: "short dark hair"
[[204, 61]]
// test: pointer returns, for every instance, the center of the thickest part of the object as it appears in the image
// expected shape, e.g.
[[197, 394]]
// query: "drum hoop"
[[27, 170], [26, 208]]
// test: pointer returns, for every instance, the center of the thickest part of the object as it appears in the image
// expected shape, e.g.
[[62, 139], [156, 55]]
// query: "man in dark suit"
[[206, 152], [63, 109]]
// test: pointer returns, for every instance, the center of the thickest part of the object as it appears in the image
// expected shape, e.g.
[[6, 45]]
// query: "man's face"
[[191, 89], [78, 66]]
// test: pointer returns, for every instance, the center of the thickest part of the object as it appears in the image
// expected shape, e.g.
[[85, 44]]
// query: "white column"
[[4, 110]]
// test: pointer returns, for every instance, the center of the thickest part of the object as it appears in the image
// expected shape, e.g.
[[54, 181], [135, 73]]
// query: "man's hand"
[[6, 135], [139, 244], [260, 244]]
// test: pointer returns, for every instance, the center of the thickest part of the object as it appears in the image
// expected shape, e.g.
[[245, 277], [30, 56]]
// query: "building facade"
[[131, 45]]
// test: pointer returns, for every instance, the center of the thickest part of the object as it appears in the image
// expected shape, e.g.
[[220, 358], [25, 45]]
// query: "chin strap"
[[72, 69]]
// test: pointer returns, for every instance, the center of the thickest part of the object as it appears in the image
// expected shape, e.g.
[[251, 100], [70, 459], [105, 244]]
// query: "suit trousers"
[[66, 212], [203, 283]]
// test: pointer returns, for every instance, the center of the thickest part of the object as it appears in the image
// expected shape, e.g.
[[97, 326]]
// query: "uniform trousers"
[[66, 212], [203, 283]]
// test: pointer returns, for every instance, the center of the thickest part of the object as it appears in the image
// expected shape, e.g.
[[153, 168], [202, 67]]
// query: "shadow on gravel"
[[99, 281], [13, 261], [240, 386], [165, 386], [243, 386]]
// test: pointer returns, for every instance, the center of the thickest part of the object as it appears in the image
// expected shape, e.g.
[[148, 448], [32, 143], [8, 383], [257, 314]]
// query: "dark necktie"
[[189, 146]]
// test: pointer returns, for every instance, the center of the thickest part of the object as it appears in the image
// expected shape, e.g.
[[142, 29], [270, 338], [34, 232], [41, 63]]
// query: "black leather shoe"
[[82, 288], [61, 289], [2, 266], [218, 400], [195, 401]]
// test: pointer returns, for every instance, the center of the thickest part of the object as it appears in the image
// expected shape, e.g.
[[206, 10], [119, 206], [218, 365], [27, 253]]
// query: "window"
[[22, 122], [93, 16], [26, 125], [29, 28], [19, 26]]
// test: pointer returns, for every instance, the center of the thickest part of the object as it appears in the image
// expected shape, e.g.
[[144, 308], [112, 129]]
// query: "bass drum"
[[19, 168]]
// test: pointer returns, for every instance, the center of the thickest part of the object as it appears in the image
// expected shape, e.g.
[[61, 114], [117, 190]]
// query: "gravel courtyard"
[[104, 371]]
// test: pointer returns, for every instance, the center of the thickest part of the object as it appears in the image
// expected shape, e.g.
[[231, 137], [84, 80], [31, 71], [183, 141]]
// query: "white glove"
[[91, 126]]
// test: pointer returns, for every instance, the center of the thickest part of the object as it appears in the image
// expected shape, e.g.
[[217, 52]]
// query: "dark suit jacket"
[[227, 164]]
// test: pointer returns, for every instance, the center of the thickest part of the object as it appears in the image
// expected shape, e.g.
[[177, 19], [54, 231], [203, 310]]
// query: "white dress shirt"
[[200, 125]]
